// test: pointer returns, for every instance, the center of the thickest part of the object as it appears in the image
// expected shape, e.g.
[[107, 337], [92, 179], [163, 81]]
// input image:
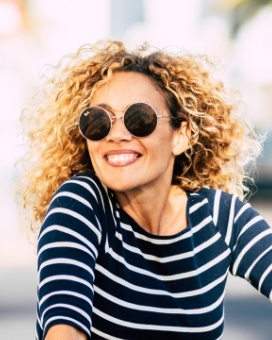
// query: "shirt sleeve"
[[251, 243], [249, 238], [68, 245]]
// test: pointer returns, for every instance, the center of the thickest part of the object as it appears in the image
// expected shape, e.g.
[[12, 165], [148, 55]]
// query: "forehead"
[[125, 88]]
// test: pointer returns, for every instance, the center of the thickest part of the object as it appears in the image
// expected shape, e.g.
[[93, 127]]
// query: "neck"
[[159, 213]]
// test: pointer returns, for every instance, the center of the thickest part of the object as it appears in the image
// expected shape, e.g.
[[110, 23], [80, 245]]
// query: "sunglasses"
[[140, 120]]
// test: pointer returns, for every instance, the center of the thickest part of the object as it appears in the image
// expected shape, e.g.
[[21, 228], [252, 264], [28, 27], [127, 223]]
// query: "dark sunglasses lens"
[[94, 123], [140, 120]]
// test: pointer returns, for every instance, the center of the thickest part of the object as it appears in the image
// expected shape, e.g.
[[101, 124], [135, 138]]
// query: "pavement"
[[248, 315]]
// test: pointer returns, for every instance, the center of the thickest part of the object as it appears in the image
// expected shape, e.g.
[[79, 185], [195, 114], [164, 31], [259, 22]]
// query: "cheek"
[[164, 141], [161, 149], [92, 152], [89, 148]]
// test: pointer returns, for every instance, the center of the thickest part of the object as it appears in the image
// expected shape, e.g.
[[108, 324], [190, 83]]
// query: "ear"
[[181, 139]]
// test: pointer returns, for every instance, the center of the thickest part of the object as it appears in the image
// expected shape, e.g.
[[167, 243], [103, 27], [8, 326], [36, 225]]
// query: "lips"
[[121, 158]]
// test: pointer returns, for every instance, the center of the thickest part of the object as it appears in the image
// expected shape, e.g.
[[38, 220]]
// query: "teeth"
[[121, 158]]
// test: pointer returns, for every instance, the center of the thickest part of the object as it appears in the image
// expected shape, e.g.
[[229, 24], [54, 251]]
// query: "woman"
[[140, 167]]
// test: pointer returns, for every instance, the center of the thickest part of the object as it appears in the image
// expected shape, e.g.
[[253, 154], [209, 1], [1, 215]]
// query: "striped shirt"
[[99, 271]]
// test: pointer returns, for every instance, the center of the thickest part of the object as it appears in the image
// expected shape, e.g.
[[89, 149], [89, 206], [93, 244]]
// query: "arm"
[[248, 236], [252, 249], [68, 246], [65, 332]]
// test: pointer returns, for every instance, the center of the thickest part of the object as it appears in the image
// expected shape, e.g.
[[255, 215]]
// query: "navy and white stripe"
[[102, 273]]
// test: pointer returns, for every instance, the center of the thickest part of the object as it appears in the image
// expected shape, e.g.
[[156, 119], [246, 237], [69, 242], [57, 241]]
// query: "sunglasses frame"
[[112, 118]]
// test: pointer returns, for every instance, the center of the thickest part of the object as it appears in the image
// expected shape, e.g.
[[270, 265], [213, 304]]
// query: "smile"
[[122, 159]]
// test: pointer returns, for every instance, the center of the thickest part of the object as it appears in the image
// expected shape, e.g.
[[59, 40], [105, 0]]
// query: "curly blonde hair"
[[222, 146]]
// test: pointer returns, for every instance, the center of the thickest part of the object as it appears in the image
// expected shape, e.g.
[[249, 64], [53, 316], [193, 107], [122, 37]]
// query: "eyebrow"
[[109, 108], [105, 106]]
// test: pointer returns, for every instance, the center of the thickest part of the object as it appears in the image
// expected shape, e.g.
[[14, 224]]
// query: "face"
[[125, 163]]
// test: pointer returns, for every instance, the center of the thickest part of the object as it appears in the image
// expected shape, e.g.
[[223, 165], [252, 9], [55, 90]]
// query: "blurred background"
[[235, 33]]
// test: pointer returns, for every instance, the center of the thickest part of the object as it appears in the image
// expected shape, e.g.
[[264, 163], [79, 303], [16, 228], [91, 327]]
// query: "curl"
[[222, 149]]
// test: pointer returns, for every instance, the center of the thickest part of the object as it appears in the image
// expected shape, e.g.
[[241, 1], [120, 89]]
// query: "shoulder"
[[86, 182], [80, 187], [82, 194], [224, 207], [218, 197], [227, 209], [80, 203]]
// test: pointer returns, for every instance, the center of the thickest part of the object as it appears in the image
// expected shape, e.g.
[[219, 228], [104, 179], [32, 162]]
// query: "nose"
[[118, 131]]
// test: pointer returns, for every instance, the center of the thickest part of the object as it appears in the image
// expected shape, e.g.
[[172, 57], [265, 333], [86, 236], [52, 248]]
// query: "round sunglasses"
[[140, 120]]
